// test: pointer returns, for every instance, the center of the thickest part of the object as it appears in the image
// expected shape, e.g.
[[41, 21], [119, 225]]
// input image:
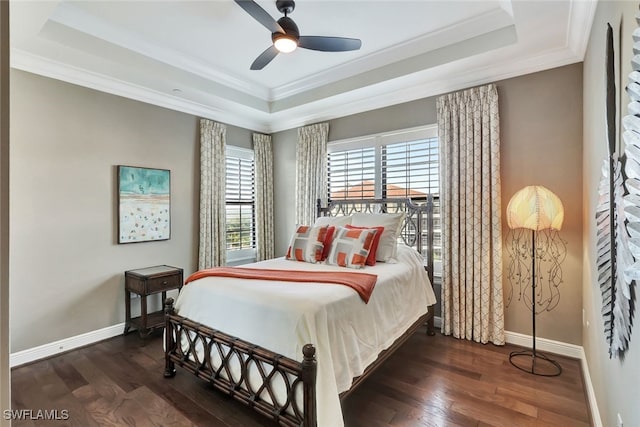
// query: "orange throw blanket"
[[362, 283]]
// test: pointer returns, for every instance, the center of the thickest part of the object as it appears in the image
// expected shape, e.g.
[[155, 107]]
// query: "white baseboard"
[[543, 344], [66, 344], [591, 394]]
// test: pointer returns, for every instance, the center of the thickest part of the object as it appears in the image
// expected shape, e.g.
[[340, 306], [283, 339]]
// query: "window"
[[240, 205], [394, 164]]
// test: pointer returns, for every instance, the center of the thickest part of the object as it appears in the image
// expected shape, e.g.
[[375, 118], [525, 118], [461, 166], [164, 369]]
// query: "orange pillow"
[[371, 259], [327, 241]]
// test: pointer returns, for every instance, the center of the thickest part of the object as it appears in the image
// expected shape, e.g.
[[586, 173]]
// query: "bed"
[[268, 325]]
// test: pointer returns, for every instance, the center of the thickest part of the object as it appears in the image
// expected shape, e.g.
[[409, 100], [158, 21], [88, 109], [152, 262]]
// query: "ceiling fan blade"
[[260, 15], [329, 44], [264, 58]]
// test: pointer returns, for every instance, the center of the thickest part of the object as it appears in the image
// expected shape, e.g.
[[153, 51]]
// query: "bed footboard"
[[243, 370]]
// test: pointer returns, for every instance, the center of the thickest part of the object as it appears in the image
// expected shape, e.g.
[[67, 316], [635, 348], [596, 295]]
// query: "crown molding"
[[410, 87], [581, 17], [417, 86], [467, 29], [223, 111]]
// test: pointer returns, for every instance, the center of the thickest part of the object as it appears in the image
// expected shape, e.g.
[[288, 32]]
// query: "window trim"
[[383, 138], [240, 152]]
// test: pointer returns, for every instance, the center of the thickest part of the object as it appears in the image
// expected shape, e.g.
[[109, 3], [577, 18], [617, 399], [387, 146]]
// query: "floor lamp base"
[[535, 363]]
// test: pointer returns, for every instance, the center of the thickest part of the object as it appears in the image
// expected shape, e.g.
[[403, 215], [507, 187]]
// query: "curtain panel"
[[311, 171], [213, 247], [263, 155], [469, 133]]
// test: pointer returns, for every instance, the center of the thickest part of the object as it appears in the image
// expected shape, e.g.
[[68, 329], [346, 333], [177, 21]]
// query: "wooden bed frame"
[[298, 377]]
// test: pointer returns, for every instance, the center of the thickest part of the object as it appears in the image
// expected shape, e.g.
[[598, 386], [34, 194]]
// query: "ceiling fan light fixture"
[[285, 36], [284, 43]]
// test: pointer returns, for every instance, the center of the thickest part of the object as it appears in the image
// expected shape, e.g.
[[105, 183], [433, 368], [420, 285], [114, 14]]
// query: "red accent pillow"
[[327, 241], [371, 259]]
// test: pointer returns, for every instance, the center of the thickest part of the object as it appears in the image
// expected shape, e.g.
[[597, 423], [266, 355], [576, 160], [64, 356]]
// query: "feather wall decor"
[[618, 211]]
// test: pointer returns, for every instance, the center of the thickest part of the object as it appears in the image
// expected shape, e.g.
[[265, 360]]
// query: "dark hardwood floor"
[[430, 381]]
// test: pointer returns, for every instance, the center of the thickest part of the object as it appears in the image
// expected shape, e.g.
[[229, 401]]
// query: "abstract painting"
[[144, 204]]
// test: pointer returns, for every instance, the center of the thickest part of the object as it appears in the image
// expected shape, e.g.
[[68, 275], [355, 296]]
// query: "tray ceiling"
[[195, 56]]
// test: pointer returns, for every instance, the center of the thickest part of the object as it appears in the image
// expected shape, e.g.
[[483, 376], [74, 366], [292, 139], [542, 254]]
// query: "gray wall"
[[5, 373], [284, 187], [615, 381], [541, 137], [66, 268]]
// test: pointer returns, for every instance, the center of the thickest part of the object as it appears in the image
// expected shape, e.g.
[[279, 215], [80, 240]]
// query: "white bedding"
[[283, 317]]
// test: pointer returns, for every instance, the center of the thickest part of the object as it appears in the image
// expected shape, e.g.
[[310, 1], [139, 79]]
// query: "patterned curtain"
[[263, 155], [213, 248], [311, 171], [469, 133]]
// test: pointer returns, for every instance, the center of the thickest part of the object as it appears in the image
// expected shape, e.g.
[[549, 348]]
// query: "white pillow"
[[336, 221], [389, 240]]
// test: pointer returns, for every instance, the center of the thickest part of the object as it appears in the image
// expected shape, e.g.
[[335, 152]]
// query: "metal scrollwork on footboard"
[[275, 386]]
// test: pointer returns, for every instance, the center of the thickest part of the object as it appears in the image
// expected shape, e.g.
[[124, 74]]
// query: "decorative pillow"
[[389, 239], [350, 247], [333, 220], [307, 244], [327, 241], [371, 258]]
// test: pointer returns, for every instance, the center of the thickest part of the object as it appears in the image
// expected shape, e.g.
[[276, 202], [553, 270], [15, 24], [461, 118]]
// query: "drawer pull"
[[164, 283]]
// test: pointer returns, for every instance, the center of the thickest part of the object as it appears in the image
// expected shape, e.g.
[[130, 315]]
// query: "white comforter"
[[283, 317]]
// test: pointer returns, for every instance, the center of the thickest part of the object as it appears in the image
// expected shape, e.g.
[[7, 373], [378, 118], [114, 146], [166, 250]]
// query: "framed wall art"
[[144, 204]]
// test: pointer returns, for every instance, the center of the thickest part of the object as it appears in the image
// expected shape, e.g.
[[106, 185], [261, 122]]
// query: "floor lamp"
[[535, 208]]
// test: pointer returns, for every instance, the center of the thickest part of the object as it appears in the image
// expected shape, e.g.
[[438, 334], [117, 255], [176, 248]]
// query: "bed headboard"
[[416, 228]]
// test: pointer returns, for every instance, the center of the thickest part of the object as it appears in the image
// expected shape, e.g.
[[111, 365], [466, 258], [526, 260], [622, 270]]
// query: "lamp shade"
[[535, 207]]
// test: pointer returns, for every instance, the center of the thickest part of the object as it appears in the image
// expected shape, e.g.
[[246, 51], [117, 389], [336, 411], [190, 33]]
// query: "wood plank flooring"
[[431, 381]]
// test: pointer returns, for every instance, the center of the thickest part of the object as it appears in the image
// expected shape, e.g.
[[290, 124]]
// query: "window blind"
[[351, 174], [410, 169], [395, 164], [240, 203]]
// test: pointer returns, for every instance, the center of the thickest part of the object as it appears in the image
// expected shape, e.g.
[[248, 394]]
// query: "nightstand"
[[145, 282]]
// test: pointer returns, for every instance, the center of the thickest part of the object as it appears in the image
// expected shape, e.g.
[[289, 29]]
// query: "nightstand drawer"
[[159, 284]]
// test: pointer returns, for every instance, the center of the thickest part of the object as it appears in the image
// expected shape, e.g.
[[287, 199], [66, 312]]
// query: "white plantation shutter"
[[410, 169], [352, 174], [398, 164], [401, 163], [240, 200]]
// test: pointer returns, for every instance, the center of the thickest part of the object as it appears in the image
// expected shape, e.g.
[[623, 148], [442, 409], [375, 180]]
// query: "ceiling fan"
[[286, 37]]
